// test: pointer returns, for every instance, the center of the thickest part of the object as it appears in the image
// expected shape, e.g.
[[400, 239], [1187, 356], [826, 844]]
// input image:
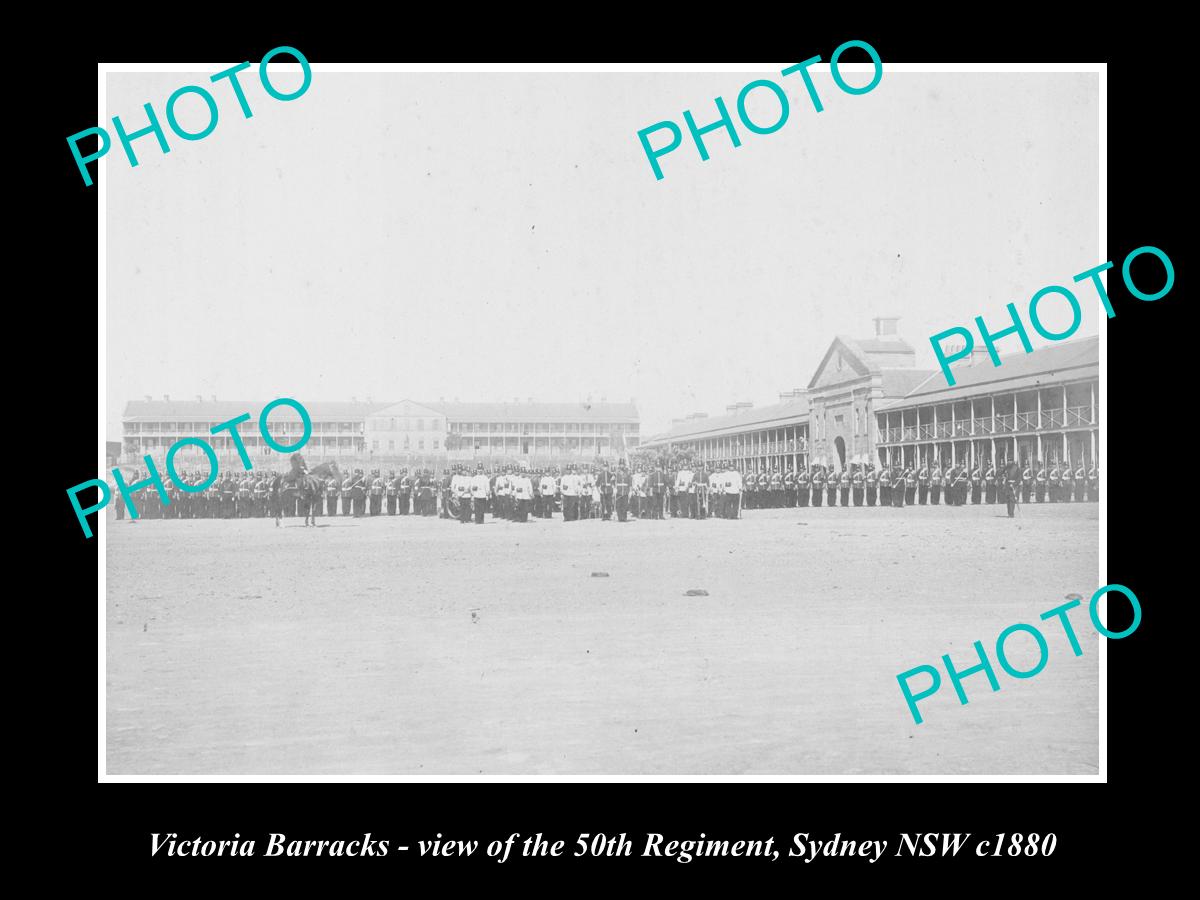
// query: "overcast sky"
[[501, 236]]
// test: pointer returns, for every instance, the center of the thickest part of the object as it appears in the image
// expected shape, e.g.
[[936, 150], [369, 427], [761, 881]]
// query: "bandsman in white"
[[548, 485], [637, 499], [460, 490], [569, 485], [732, 489], [683, 491], [716, 491], [586, 486], [522, 492], [481, 488]]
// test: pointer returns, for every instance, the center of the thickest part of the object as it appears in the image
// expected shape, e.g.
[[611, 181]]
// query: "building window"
[[406, 443], [421, 444], [374, 445], [436, 444], [391, 445]]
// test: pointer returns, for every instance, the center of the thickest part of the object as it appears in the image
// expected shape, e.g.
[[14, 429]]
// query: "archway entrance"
[[840, 444]]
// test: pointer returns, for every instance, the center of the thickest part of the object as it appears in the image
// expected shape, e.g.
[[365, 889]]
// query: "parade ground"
[[420, 646]]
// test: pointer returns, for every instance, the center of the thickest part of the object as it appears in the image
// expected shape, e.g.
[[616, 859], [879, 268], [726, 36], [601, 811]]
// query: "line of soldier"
[[645, 492], [256, 495], [580, 492], [588, 492], [859, 484]]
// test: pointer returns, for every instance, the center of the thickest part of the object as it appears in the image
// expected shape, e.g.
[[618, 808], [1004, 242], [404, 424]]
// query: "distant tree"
[[673, 458]]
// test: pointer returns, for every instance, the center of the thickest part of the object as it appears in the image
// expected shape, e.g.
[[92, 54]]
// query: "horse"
[[305, 490]]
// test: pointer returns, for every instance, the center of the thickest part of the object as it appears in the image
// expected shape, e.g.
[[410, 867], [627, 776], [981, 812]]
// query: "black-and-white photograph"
[[485, 451]]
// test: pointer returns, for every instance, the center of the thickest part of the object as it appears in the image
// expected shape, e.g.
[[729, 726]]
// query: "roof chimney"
[[886, 325], [214, 398], [148, 397], [977, 355], [199, 398], [166, 398], [739, 406]]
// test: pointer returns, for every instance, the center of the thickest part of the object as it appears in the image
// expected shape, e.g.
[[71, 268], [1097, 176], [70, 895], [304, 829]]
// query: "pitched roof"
[[864, 355], [774, 416], [901, 382], [224, 410], [1017, 371], [537, 412]]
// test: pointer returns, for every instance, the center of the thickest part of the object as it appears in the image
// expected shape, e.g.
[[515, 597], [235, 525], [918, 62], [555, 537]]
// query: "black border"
[[1147, 396]]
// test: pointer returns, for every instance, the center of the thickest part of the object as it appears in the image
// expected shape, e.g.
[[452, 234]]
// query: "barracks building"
[[404, 433], [868, 403]]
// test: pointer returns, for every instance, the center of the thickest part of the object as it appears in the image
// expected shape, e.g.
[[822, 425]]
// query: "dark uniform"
[[1010, 480], [228, 497], [657, 485], [923, 485], [872, 484], [375, 493], [899, 487], [428, 491], [962, 482], [604, 482], [803, 487], [357, 492], [404, 493], [621, 488], [857, 482], [818, 485]]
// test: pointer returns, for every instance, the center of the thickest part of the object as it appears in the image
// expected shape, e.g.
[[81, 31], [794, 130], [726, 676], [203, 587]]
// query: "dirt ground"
[[409, 646]]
